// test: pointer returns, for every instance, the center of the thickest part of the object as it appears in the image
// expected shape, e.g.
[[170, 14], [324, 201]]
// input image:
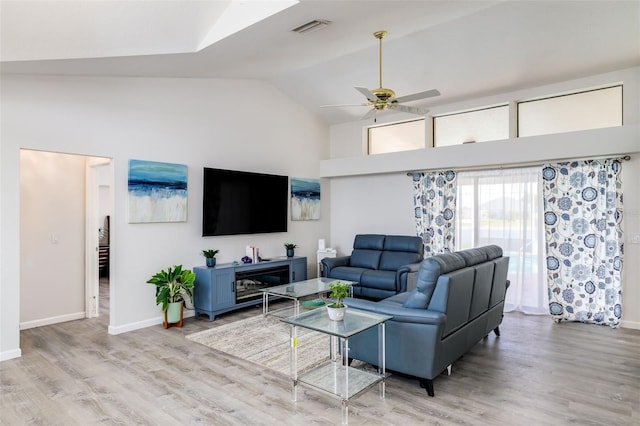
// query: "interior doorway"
[[98, 199], [59, 212]]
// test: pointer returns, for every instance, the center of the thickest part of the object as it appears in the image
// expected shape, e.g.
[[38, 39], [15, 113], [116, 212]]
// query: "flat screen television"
[[236, 202]]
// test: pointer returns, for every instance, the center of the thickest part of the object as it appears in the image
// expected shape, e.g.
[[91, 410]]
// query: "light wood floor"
[[537, 373]]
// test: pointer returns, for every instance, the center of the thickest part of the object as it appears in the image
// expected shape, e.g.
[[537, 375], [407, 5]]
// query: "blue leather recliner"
[[458, 300], [379, 263]]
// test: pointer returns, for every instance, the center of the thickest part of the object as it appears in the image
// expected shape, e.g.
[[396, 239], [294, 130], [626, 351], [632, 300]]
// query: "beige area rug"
[[265, 341]]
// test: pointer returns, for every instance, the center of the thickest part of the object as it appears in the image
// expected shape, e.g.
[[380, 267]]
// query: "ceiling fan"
[[382, 98]]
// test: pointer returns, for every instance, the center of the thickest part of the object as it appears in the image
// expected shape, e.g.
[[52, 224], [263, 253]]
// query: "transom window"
[[479, 125], [403, 136], [591, 109]]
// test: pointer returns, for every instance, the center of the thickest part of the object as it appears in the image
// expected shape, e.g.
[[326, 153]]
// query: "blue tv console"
[[227, 287]]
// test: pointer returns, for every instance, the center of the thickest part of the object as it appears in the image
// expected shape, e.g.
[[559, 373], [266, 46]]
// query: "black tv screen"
[[236, 202]]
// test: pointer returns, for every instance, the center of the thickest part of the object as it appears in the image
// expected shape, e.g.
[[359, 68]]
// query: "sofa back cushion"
[[499, 287], [472, 256], [368, 259], [432, 267], [411, 244], [368, 242], [492, 251], [481, 288], [458, 298], [400, 250], [366, 251]]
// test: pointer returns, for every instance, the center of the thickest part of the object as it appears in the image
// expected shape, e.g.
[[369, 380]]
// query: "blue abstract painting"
[[157, 192], [305, 199]]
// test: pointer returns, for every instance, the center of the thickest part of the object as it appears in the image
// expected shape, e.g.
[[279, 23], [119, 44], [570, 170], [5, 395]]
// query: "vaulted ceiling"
[[464, 49]]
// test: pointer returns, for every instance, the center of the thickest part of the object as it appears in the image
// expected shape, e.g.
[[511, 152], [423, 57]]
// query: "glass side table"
[[335, 377]]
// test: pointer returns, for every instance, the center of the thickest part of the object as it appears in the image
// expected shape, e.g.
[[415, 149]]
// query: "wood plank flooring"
[[536, 373]]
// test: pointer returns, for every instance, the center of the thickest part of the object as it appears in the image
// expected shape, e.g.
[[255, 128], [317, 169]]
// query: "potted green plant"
[[290, 247], [210, 257], [172, 287], [339, 290]]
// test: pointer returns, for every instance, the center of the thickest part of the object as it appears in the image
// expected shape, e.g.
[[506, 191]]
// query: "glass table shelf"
[[335, 377], [329, 377]]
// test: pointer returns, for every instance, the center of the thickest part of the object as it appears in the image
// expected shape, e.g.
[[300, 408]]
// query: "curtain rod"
[[514, 166]]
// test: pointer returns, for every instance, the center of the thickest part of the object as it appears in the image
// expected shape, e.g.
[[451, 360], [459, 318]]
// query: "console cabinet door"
[[224, 294], [298, 269], [203, 289]]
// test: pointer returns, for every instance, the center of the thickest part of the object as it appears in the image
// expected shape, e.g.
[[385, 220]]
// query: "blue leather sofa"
[[458, 300], [379, 263]]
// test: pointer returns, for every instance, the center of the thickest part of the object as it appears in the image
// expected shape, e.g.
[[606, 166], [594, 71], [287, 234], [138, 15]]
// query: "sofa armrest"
[[399, 313], [328, 263], [406, 277]]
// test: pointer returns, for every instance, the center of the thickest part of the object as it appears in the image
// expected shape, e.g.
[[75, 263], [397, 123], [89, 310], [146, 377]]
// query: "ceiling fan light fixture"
[[315, 25]]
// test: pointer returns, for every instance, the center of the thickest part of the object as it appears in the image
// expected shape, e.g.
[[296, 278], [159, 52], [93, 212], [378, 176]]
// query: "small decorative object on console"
[[290, 247], [246, 259], [210, 257]]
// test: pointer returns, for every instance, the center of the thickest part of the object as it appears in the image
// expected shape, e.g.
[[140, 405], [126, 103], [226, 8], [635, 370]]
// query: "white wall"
[[373, 194], [197, 122], [52, 249]]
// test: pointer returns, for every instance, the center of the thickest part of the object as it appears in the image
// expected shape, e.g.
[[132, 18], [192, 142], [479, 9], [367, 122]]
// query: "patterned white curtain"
[[504, 207], [434, 199], [582, 218]]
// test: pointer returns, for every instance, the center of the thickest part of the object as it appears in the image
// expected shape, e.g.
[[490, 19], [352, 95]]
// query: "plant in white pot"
[[210, 257], [173, 286], [339, 291]]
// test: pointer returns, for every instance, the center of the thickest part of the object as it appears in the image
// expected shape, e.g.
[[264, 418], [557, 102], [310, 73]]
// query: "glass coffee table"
[[335, 377], [297, 291]]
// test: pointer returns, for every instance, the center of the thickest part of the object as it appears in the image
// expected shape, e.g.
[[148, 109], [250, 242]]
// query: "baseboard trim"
[[11, 354], [630, 324], [144, 324], [52, 320]]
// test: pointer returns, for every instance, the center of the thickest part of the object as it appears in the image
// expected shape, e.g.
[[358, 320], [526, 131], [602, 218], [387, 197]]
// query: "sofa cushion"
[[348, 273], [403, 243], [432, 267], [416, 300], [369, 242], [481, 289], [392, 260], [363, 258], [384, 280], [492, 252], [472, 256]]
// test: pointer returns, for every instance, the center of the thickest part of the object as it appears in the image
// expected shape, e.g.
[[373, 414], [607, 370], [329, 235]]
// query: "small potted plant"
[[210, 257], [290, 247], [172, 287], [339, 291]]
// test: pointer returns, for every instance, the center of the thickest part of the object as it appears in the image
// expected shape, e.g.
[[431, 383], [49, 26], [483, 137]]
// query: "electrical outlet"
[[634, 238]]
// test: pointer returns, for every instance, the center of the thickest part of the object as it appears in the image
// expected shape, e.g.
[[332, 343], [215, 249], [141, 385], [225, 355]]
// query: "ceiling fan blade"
[[368, 93], [416, 96], [409, 109], [369, 114]]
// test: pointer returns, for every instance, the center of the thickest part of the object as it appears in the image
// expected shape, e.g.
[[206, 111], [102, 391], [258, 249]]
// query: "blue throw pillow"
[[416, 300]]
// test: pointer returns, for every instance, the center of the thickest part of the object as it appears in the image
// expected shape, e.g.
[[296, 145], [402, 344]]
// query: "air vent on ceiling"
[[310, 26]]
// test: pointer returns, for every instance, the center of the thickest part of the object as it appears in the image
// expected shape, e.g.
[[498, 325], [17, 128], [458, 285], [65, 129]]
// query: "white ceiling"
[[465, 49]]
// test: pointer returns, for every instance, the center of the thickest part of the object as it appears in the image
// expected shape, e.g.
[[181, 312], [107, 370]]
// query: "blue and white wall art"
[[305, 199], [157, 192]]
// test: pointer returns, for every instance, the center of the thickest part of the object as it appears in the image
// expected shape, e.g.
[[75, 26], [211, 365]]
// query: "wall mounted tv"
[[236, 202]]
